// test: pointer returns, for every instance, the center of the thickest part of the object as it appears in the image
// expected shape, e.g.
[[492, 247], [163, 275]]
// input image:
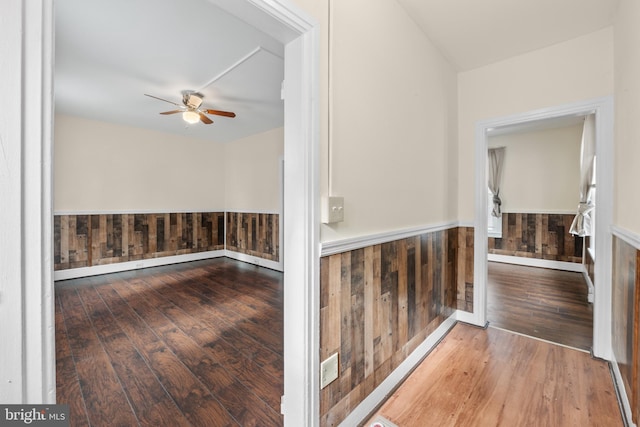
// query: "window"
[[494, 224]]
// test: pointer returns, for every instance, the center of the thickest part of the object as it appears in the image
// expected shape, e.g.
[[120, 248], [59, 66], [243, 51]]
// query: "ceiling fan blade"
[[221, 113], [204, 119], [161, 99], [172, 112]]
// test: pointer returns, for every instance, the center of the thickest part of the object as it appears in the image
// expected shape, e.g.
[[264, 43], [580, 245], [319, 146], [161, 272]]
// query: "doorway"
[[603, 110], [535, 280], [299, 34]]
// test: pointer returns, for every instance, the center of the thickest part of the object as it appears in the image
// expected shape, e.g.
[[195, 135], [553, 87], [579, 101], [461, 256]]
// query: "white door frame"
[[603, 109], [299, 33], [27, 371], [27, 349]]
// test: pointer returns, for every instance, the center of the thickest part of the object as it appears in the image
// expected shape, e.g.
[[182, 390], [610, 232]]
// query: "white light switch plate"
[[332, 209], [329, 370]]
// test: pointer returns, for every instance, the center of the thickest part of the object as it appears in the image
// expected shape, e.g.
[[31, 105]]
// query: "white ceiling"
[[473, 33], [109, 53]]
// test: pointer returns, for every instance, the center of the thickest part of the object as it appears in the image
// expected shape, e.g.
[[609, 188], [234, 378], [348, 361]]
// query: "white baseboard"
[[273, 265], [618, 383], [377, 396], [535, 262], [96, 270]]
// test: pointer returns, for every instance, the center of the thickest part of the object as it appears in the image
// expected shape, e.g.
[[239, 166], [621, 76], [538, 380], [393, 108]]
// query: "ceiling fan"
[[191, 111]]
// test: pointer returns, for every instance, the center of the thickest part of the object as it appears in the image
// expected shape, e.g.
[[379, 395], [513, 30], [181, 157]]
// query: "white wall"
[[252, 172], [627, 111], [392, 120], [103, 167], [572, 71], [541, 170]]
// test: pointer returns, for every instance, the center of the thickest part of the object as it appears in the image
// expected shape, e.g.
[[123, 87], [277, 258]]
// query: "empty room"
[[276, 212]]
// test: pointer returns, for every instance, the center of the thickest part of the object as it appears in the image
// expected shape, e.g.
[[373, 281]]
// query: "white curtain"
[[581, 225], [496, 158]]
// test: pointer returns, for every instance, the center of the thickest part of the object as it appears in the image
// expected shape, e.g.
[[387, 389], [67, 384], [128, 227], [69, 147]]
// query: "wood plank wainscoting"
[[255, 234], [538, 235], [378, 303], [90, 240], [99, 239], [589, 262], [626, 318]]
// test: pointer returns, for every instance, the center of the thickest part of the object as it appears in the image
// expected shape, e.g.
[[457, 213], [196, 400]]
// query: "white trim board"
[[628, 236], [623, 399], [382, 392], [27, 371], [138, 211], [353, 243], [536, 262], [539, 211], [250, 259], [95, 270]]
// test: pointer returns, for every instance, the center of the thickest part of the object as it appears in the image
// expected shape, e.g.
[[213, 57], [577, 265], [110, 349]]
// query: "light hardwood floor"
[[490, 377]]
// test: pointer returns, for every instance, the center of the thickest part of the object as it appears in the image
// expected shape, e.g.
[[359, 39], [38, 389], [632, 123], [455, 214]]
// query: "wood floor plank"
[[195, 401], [218, 321], [492, 377], [149, 400], [243, 404], [539, 302], [67, 382], [100, 386], [155, 347]]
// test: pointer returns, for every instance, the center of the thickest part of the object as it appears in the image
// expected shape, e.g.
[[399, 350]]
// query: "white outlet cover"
[[332, 209], [329, 370]]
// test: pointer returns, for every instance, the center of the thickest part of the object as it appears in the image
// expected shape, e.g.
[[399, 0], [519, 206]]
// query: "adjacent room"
[[538, 273], [168, 195]]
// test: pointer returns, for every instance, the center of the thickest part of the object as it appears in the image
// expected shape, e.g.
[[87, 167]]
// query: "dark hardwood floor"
[[199, 344], [490, 377], [540, 302]]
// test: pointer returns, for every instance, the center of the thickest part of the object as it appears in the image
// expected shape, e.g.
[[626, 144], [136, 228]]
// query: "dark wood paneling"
[[535, 235], [254, 234], [626, 317], [377, 304], [89, 240], [589, 263], [465, 266], [71, 241]]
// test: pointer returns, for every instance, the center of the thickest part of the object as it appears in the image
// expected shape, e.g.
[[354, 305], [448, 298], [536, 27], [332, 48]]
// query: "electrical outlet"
[[329, 370]]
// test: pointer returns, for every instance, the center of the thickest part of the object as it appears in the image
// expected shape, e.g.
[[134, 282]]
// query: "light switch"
[[329, 370], [332, 209]]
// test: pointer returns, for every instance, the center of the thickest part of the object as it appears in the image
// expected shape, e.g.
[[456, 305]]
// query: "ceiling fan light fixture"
[[191, 117]]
